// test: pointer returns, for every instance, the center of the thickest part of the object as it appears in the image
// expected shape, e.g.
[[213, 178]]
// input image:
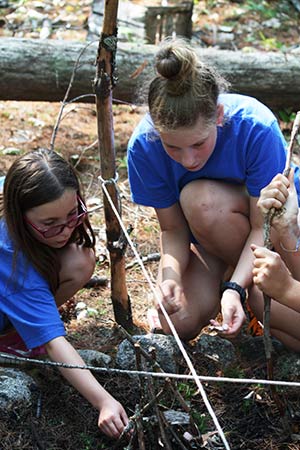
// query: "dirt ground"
[[66, 420]]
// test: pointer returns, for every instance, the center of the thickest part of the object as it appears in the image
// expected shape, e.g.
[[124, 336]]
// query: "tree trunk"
[[40, 70]]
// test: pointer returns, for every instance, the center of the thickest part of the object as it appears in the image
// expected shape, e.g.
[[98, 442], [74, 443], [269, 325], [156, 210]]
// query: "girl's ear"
[[220, 114]]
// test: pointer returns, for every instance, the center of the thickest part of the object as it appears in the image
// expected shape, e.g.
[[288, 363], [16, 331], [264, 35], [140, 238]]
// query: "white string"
[[172, 328], [42, 362]]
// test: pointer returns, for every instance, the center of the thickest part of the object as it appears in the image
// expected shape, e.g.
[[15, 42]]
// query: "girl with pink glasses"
[[47, 255]]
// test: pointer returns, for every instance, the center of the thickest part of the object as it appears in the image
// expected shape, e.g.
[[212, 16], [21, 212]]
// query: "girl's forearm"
[[243, 271], [291, 296], [175, 251], [289, 249], [60, 350]]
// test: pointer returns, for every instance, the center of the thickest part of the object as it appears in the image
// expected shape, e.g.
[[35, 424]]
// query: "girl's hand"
[[170, 293], [281, 192], [232, 313], [112, 418], [270, 273]]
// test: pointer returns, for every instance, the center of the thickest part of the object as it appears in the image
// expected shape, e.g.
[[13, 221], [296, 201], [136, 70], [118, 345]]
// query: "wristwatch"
[[236, 287]]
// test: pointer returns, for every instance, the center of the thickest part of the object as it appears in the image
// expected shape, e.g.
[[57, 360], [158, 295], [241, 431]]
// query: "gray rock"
[[94, 358], [15, 389], [287, 367], [218, 349], [252, 348], [166, 352]]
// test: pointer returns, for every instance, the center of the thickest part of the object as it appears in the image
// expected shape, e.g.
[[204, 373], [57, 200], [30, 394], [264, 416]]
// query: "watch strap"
[[236, 287]]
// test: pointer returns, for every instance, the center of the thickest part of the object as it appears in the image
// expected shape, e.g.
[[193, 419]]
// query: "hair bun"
[[177, 63], [167, 64]]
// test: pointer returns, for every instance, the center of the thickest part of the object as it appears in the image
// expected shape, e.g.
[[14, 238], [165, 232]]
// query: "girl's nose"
[[188, 157], [66, 232]]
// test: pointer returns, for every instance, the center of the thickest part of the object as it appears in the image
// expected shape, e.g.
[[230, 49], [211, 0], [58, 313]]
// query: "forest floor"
[[66, 420]]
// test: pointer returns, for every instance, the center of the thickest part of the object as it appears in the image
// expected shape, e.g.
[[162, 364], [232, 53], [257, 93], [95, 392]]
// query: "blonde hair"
[[184, 88]]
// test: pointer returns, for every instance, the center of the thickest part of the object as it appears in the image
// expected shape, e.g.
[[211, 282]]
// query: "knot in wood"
[[268, 223]]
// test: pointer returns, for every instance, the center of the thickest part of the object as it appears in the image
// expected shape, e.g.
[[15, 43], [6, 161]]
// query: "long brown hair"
[[184, 88], [39, 177]]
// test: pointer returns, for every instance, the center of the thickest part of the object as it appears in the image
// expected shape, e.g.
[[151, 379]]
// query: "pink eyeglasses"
[[73, 222]]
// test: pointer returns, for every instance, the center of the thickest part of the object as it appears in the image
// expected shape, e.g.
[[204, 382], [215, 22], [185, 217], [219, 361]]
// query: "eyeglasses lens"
[[71, 223]]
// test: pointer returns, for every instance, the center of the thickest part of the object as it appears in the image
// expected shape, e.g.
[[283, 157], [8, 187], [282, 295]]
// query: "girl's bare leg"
[[218, 216], [78, 264], [284, 321], [201, 287]]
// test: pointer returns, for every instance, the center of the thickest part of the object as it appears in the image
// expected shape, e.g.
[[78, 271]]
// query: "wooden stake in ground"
[[103, 85]]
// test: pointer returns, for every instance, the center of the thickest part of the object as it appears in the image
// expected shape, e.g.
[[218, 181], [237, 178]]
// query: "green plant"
[[88, 443], [201, 421], [263, 8], [187, 390], [101, 308], [5, 114], [122, 162], [234, 372], [211, 3], [247, 405], [287, 115], [269, 43]]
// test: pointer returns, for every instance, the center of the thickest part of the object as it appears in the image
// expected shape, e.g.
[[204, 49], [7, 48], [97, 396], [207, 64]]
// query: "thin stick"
[[151, 386], [168, 382], [294, 132], [64, 102], [156, 367], [139, 428], [267, 300], [138, 360]]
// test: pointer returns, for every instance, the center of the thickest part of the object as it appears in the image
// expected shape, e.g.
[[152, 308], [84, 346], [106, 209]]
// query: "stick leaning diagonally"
[[268, 245]]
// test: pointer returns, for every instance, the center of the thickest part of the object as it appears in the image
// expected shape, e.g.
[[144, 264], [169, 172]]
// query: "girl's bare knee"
[[85, 265], [184, 331], [200, 204], [78, 264]]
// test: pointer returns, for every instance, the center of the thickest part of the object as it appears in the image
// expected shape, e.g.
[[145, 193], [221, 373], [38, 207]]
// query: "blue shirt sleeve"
[[25, 298], [34, 315], [264, 158], [150, 173]]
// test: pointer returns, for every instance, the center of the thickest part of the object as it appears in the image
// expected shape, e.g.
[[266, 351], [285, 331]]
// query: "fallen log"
[[40, 70]]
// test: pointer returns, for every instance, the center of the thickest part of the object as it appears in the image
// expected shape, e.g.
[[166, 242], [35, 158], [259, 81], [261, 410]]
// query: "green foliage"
[[101, 308], [88, 443], [122, 162], [287, 115], [263, 8], [270, 43], [234, 372], [201, 421], [211, 3], [247, 405], [5, 114], [187, 390]]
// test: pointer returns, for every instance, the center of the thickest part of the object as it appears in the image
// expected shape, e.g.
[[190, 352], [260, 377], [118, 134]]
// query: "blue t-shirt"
[[2, 179], [25, 298], [250, 150]]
